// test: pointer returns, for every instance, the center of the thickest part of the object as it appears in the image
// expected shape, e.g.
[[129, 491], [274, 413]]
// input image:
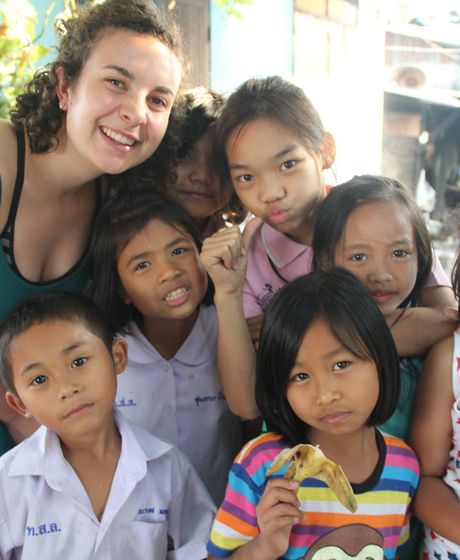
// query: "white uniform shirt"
[[181, 400], [156, 502]]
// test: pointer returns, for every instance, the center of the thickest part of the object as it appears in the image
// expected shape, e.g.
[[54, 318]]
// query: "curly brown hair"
[[37, 110]]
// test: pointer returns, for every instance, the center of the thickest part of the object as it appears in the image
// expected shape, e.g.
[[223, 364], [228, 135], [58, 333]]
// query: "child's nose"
[[271, 190], [167, 271], [327, 393], [379, 272], [67, 387], [200, 171]]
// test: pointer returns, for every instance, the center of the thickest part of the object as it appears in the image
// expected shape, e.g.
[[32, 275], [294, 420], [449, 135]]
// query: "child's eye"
[[185, 157], [78, 362], [289, 164], [246, 178], [343, 364], [179, 250], [358, 257], [400, 253], [142, 265], [300, 377], [39, 380]]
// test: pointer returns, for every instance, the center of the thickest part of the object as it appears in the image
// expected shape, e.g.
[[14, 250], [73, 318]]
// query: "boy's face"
[[65, 377]]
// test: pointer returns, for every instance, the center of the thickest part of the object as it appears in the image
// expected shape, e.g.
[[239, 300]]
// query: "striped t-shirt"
[[380, 522]]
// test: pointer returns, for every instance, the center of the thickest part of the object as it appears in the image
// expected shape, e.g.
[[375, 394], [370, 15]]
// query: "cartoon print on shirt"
[[265, 299], [357, 542]]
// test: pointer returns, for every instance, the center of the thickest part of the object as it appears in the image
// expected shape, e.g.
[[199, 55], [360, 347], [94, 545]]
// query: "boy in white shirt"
[[87, 484]]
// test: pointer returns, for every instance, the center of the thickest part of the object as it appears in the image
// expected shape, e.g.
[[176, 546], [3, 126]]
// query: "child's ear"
[[328, 150], [16, 404], [122, 293], [120, 354]]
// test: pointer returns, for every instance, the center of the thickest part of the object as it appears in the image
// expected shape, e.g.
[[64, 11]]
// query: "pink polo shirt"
[[274, 260]]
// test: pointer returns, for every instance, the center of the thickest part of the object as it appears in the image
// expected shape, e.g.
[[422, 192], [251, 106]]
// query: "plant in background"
[[19, 52], [231, 6]]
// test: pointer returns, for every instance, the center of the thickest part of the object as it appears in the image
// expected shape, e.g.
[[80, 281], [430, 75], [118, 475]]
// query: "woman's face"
[[117, 111]]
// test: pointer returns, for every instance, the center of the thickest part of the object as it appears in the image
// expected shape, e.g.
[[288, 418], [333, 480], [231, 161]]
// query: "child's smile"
[[161, 273]]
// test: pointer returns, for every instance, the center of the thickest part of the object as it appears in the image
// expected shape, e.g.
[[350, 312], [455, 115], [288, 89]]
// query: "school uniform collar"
[[197, 349], [41, 453], [281, 249]]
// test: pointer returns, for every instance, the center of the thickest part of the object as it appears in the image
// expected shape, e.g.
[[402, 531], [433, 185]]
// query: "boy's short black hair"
[[345, 303], [50, 306]]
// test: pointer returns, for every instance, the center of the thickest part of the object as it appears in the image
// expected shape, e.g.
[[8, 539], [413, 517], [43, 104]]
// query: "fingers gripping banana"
[[309, 461]]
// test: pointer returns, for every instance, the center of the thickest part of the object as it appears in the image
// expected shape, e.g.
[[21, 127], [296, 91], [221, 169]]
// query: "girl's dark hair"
[[337, 207], [50, 306], [120, 220], [273, 98], [200, 108], [37, 110], [456, 279], [342, 300]]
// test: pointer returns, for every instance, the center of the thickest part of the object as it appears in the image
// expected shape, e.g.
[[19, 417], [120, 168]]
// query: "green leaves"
[[230, 7], [18, 52]]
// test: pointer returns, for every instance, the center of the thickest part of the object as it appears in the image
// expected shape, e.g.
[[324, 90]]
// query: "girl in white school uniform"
[[153, 289]]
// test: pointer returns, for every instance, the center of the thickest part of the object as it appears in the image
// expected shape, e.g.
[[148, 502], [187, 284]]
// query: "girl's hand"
[[224, 257], [277, 512]]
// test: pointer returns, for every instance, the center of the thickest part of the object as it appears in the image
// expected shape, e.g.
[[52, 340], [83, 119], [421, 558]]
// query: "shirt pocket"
[[150, 538]]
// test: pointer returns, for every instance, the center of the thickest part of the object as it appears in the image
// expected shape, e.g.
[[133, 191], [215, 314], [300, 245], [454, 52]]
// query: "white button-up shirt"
[[157, 507], [181, 400]]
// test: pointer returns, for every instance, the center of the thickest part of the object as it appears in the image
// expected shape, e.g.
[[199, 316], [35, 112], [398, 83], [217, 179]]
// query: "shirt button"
[[169, 410]]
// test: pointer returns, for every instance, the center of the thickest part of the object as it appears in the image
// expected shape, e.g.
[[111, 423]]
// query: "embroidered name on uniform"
[[146, 510], [125, 402], [152, 514], [43, 530], [209, 398]]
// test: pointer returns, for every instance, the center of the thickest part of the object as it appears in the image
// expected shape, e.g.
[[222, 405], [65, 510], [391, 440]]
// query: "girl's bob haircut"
[[343, 199], [123, 217], [341, 299]]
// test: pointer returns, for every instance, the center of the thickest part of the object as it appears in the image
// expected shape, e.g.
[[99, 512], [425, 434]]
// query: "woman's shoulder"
[[7, 143], [8, 164]]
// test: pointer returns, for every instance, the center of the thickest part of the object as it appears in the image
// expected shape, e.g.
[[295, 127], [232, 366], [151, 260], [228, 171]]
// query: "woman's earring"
[[61, 105]]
